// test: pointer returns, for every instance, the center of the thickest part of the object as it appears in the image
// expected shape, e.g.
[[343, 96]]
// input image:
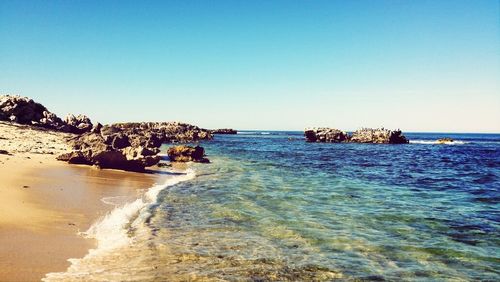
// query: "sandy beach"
[[45, 203]]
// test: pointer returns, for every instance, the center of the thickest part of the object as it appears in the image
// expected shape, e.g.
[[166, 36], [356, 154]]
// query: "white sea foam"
[[253, 133], [435, 142], [115, 201], [111, 231]]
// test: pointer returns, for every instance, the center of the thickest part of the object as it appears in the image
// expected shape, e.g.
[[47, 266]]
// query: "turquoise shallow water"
[[271, 207]]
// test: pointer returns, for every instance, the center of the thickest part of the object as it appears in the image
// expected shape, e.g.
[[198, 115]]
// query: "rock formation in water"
[[365, 135], [184, 153], [445, 140], [24, 110], [378, 136], [224, 131], [324, 134]]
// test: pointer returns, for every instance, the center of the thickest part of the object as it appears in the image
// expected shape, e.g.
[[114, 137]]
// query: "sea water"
[[271, 207]]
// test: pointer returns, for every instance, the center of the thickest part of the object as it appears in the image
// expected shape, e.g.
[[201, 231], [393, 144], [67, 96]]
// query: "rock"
[[224, 131], [4, 152], [324, 134], [156, 133], [24, 110], [78, 124], [96, 128], [120, 141], [365, 135], [132, 146], [184, 153], [75, 157], [378, 136], [445, 140], [112, 151]]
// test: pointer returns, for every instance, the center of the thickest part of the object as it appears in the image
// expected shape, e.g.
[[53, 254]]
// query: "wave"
[[253, 133], [435, 142], [112, 231]]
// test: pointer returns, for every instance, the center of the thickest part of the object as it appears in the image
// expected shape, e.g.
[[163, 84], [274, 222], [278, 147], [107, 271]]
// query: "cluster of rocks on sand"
[[127, 146], [365, 135], [130, 146], [24, 110]]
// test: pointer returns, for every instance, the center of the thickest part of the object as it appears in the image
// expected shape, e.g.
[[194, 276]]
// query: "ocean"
[[271, 207]]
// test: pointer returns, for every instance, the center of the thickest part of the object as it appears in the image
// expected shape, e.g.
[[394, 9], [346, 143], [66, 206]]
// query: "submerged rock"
[[445, 140], [185, 153]]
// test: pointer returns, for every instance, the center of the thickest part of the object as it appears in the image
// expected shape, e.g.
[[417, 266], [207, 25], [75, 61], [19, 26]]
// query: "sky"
[[271, 65]]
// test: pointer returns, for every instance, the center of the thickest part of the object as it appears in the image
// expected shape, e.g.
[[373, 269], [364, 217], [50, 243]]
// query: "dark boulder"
[[323, 134], [184, 153], [120, 141], [75, 157], [24, 110], [78, 124]]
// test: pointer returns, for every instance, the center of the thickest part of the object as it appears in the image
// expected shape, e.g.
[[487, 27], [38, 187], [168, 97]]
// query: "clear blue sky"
[[415, 65]]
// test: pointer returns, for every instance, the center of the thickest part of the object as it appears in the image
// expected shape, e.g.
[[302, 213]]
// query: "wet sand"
[[45, 203]]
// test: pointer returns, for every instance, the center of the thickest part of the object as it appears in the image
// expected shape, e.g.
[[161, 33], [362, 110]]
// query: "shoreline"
[[45, 203]]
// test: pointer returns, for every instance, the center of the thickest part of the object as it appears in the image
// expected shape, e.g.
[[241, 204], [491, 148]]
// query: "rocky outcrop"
[[134, 146], [324, 134], [78, 124], [378, 136], [163, 132], [113, 149], [184, 153], [365, 135], [24, 110], [224, 131]]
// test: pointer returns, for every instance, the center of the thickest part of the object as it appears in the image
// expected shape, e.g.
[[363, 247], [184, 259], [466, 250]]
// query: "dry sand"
[[45, 203]]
